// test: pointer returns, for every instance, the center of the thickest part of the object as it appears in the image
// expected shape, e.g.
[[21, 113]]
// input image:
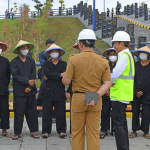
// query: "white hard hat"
[[121, 36], [87, 34]]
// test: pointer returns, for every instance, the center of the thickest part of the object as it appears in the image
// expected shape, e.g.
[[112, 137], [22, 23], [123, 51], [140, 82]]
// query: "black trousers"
[[135, 116], [40, 96], [105, 115], [145, 118], [120, 125], [25, 105], [4, 112], [60, 113]]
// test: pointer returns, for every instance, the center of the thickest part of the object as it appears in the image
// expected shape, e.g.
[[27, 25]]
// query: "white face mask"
[[24, 52], [54, 55], [113, 58], [143, 56], [0, 51]]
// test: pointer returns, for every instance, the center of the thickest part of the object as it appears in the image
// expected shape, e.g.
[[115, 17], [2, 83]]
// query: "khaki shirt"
[[87, 70]]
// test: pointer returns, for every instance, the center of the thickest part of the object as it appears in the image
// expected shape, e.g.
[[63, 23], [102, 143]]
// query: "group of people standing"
[[23, 70], [119, 80], [118, 7], [11, 12], [140, 94]]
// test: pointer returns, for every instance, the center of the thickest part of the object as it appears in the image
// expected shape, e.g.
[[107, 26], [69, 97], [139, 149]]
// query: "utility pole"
[[94, 15], [8, 11], [104, 5]]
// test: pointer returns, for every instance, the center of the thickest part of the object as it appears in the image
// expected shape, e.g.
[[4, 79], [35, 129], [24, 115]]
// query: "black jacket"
[[4, 75], [22, 72], [142, 82], [55, 89]]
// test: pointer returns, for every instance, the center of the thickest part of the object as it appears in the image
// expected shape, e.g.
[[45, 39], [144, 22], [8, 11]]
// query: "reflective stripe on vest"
[[130, 77]]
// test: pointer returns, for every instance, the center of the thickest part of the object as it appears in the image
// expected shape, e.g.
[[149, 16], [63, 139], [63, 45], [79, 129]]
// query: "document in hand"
[[90, 96]]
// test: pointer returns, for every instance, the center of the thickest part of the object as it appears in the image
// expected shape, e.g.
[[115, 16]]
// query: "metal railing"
[[34, 14]]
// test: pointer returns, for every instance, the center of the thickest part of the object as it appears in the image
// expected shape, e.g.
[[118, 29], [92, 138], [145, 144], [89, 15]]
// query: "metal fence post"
[[59, 11]]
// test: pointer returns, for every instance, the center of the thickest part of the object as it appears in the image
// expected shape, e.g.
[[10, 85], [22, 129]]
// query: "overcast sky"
[[69, 3]]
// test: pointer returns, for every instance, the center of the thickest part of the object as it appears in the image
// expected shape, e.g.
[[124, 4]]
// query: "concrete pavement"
[[55, 143]]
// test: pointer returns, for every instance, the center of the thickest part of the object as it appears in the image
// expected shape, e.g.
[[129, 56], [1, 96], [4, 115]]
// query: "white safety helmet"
[[87, 34], [121, 36]]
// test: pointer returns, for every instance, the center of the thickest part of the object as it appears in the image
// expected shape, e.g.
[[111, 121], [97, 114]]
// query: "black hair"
[[126, 44], [88, 43], [49, 41], [111, 51]]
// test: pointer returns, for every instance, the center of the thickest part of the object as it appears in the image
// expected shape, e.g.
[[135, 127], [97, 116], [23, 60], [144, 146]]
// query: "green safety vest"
[[123, 88]]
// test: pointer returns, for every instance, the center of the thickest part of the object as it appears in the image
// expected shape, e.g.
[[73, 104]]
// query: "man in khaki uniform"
[[87, 70]]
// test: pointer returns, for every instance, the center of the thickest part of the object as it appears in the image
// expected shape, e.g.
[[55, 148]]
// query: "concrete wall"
[[98, 32]]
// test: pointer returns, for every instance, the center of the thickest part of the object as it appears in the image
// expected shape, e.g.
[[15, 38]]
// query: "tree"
[[47, 7], [38, 5], [62, 4], [24, 9], [11, 32], [39, 28], [15, 7]]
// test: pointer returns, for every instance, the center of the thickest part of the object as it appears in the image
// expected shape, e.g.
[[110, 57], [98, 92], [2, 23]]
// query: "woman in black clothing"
[[54, 92], [4, 91], [111, 55], [141, 93]]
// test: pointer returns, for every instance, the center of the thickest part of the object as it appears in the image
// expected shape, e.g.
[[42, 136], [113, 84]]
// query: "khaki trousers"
[[81, 116]]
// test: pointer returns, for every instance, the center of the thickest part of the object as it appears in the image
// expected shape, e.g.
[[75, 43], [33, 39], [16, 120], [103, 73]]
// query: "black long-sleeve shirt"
[[55, 89], [4, 75], [142, 82], [22, 72]]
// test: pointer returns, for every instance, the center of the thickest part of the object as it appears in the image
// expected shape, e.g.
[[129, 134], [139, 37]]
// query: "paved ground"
[[55, 143]]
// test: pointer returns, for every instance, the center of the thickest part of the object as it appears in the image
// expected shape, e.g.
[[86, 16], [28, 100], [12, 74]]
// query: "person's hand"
[[108, 93], [27, 90], [62, 74], [139, 94], [45, 78], [31, 82], [91, 103]]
